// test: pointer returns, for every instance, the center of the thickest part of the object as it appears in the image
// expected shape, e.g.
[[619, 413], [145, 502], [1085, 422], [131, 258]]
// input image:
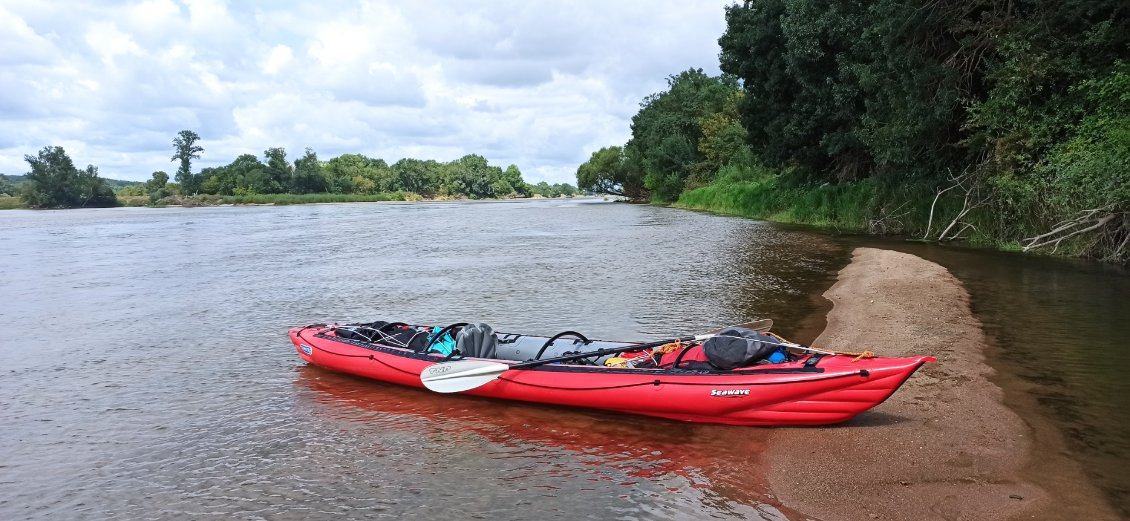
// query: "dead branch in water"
[[1086, 221], [1116, 254]]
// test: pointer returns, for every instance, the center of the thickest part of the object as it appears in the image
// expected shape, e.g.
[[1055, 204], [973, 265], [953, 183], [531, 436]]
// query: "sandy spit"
[[944, 447]]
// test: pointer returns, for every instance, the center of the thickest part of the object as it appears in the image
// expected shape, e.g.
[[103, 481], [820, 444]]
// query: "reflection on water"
[[146, 373], [545, 454]]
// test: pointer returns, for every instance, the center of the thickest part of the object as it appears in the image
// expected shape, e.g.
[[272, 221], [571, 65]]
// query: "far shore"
[[14, 203], [944, 446]]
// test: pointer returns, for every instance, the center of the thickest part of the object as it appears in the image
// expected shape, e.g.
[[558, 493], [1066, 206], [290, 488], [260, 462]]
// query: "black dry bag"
[[735, 347]]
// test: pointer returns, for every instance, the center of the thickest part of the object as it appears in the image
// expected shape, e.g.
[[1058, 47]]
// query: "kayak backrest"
[[477, 341]]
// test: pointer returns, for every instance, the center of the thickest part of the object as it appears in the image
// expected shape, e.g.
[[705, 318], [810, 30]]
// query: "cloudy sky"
[[541, 84]]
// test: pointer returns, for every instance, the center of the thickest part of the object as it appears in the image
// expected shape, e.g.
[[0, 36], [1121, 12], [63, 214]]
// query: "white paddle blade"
[[461, 375]]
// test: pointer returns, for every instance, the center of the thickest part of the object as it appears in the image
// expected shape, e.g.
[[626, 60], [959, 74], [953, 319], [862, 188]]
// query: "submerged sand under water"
[[944, 446]]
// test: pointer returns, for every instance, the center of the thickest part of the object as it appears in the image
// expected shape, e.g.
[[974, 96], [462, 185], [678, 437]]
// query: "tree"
[[355, 173], [513, 177], [723, 137], [157, 186], [473, 177], [544, 189], [159, 180], [278, 169], [668, 128], [610, 171], [186, 150], [246, 175], [307, 176], [565, 189], [421, 177], [54, 182]]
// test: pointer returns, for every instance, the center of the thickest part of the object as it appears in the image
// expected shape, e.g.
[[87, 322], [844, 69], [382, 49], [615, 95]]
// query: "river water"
[[146, 373]]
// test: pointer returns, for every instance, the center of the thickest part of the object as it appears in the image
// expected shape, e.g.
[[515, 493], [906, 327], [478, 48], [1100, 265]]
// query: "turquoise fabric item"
[[444, 345]]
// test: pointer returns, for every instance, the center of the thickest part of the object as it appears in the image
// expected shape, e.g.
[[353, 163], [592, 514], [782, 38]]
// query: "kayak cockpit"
[[733, 348], [475, 341]]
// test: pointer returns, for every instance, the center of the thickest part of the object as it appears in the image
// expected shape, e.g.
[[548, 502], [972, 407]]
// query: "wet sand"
[[944, 446]]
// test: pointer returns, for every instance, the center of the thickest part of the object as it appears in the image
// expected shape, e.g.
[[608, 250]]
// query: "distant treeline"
[[998, 122], [54, 181]]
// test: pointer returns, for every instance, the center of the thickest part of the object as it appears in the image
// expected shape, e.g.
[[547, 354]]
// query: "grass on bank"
[[11, 203], [872, 205]]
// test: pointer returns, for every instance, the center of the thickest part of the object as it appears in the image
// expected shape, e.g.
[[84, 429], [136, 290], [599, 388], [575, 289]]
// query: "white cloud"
[[277, 59], [108, 42], [537, 84]]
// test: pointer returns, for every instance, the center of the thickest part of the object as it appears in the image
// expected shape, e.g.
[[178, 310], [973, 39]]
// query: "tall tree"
[[668, 128], [186, 150], [54, 182]]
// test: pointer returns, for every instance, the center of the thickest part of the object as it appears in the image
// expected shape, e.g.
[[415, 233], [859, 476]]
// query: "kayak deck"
[[811, 389]]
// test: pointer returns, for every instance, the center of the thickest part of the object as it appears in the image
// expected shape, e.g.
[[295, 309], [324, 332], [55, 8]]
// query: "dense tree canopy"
[[469, 176], [667, 130], [610, 171], [54, 182], [307, 177], [1016, 110]]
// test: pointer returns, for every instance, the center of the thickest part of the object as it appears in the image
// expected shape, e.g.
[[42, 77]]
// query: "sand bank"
[[944, 446]]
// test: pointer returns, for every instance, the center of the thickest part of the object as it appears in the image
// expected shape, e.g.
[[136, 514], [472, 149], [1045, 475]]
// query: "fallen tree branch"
[[972, 200], [887, 221], [930, 221], [1116, 254], [1086, 222]]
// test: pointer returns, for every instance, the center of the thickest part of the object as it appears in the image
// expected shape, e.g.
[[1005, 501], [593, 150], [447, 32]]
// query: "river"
[[147, 374]]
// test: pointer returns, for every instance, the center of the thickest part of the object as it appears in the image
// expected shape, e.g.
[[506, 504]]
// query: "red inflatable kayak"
[[804, 387]]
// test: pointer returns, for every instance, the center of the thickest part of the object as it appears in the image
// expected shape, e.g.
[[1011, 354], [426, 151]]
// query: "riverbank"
[[14, 203], [947, 446], [916, 209]]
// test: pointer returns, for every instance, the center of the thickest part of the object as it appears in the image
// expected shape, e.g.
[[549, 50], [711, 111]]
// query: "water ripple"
[[153, 379]]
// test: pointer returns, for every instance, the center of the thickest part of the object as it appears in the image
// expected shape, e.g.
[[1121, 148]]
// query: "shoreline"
[[947, 446], [13, 203]]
